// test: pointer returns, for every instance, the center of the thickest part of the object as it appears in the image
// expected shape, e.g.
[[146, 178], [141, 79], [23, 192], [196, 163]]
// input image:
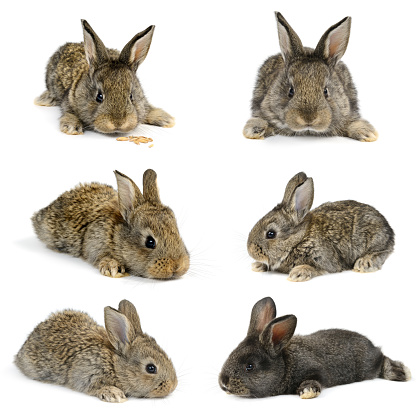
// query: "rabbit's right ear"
[[278, 333], [95, 51], [119, 330], [129, 195], [298, 197], [262, 313], [129, 310], [290, 43]]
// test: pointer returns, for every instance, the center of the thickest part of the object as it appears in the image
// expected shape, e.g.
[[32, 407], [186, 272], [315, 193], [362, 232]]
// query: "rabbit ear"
[[262, 313], [334, 41], [298, 196], [95, 51], [150, 190], [278, 333], [290, 43], [127, 308], [119, 330], [129, 195], [135, 52]]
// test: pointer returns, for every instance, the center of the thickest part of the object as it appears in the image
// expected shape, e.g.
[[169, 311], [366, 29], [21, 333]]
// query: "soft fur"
[[109, 229], [271, 361], [336, 236], [304, 91], [70, 349], [78, 72]]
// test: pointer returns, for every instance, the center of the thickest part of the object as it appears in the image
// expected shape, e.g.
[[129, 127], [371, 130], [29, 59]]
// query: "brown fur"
[[70, 349], [110, 229], [305, 91], [336, 236], [78, 72]]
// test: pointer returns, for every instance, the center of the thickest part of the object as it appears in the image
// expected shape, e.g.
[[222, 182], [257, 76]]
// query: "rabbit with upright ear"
[[118, 232], [114, 363], [97, 88], [336, 236], [307, 92], [270, 361]]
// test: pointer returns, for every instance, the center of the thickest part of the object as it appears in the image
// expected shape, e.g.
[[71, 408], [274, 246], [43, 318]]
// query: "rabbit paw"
[[46, 99], [302, 273], [111, 394], [255, 128], [363, 131], [159, 117], [309, 389], [111, 268], [366, 264], [71, 124], [257, 266]]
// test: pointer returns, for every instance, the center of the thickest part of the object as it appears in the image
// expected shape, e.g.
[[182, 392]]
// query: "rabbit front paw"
[[111, 268], [302, 273], [111, 394], [71, 124], [309, 389], [363, 131], [255, 128], [159, 117]]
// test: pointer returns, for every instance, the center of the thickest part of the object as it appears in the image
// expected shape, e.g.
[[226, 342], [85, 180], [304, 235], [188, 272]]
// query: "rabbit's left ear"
[[278, 333], [150, 189], [95, 51], [290, 43], [119, 330], [262, 313], [334, 41], [135, 52]]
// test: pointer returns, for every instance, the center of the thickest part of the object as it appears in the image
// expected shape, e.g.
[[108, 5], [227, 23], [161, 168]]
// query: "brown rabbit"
[[307, 92], [117, 232], [336, 236], [111, 363], [97, 88]]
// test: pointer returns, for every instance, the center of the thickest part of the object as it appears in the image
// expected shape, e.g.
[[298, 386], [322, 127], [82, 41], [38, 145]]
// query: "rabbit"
[[270, 361], [307, 92], [69, 348], [97, 88], [336, 236], [120, 233]]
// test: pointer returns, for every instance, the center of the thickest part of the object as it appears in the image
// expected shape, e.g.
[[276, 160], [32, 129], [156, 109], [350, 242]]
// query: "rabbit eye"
[[100, 97], [326, 92], [151, 369], [249, 368], [291, 92], [150, 242], [271, 234], [131, 97]]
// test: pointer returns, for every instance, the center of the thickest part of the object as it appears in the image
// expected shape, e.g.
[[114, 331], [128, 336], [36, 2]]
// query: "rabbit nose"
[[224, 380]]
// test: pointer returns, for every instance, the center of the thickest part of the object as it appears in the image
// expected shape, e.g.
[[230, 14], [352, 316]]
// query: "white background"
[[201, 68]]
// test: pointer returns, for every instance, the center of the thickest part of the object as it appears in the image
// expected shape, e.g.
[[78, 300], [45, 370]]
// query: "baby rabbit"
[[114, 363], [97, 88], [117, 232], [336, 236], [303, 91], [271, 361]]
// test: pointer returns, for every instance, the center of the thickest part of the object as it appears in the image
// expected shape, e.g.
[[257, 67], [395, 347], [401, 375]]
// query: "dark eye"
[[249, 368], [291, 92], [100, 97], [131, 97], [271, 234], [150, 242], [151, 369], [326, 92]]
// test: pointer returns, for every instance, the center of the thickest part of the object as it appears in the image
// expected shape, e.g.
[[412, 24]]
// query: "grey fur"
[[109, 229], [70, 349], [336, 236], [78, 72], [270, 361], [324, 101]]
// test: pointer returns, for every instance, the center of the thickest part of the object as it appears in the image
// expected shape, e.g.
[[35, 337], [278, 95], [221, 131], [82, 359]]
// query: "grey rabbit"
[[69, 348], [97, 88], [119, 232], [271, 361], [336, 236], [303, 91]]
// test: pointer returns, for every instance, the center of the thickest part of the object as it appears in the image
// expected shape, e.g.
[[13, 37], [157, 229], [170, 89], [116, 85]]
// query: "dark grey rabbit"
[[97, 88], [270, 361], [336, 236], [305, 91]]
